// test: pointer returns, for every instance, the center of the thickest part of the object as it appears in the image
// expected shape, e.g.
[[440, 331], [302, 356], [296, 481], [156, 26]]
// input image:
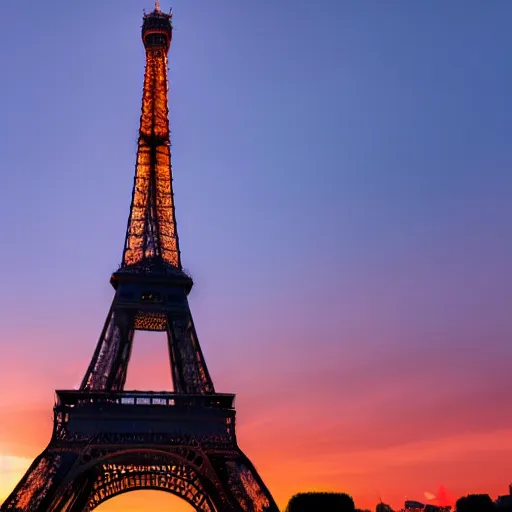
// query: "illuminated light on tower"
[[152, 231]]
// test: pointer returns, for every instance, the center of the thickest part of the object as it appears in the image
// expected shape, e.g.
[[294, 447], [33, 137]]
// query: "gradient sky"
[[343, 188]]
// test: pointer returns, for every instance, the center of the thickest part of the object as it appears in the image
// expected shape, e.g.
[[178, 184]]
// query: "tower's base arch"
[[95, 481]]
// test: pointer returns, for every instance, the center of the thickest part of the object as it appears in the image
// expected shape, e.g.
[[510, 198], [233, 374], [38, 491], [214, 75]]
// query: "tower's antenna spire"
[[157, 5]]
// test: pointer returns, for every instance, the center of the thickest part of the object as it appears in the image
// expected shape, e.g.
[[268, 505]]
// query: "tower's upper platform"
[[157, 29]]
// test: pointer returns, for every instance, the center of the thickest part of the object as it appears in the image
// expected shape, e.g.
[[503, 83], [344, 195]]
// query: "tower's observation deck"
[[157, 29]]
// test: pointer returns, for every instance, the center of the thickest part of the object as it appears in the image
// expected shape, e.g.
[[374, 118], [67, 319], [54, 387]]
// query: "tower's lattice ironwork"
[[106, 440]]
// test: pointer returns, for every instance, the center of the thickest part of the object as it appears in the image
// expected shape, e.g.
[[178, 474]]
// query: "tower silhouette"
[[106, 440]]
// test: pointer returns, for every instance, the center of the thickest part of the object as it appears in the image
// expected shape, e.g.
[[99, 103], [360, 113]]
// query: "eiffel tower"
[[106, 440]]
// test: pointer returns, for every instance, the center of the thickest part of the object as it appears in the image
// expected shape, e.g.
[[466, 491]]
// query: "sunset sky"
[[343, 181]]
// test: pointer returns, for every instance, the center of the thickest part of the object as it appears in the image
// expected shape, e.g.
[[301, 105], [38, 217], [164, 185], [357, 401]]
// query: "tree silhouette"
[[382, 507], [504, 503], [475, 503], [321, 501]]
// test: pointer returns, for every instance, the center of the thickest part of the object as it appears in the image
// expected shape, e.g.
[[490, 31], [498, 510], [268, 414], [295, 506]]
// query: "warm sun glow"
[[11, 471], [142, 501]]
